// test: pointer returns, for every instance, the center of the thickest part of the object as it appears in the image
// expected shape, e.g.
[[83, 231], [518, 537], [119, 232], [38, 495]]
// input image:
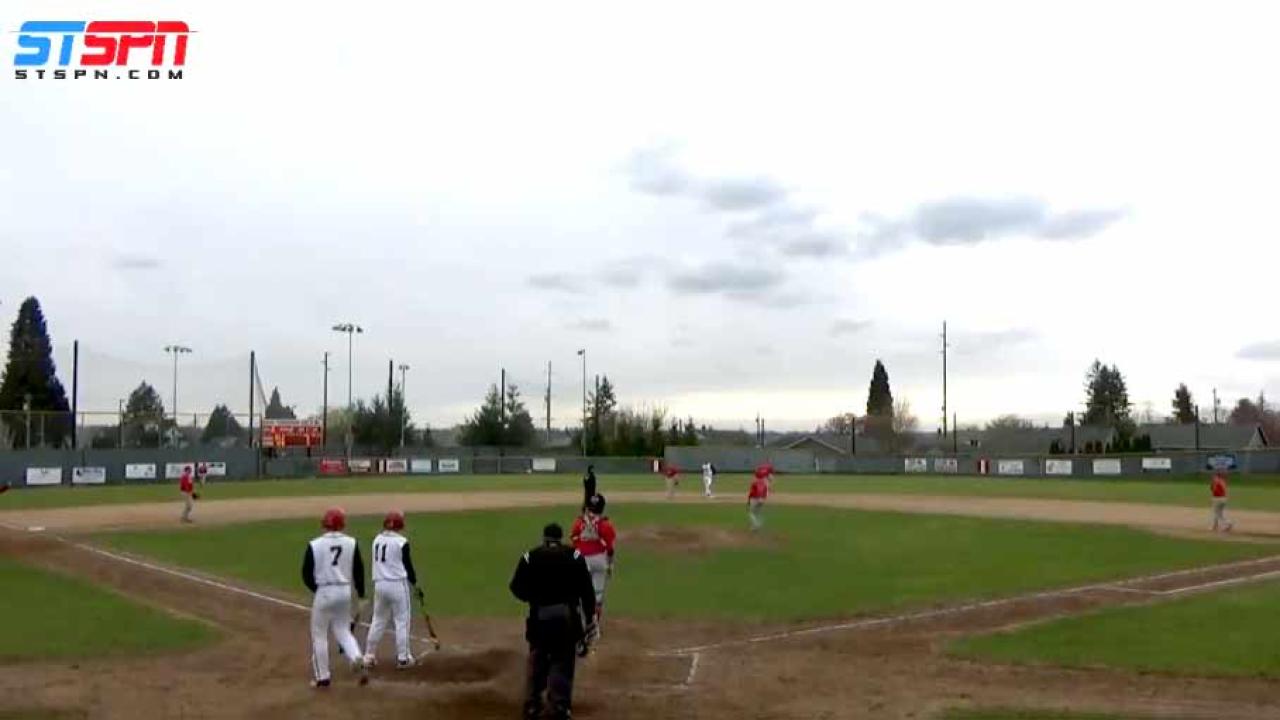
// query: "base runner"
[[394, 580], [708, 478], [1218, 488], [595, 539], [331, 564]]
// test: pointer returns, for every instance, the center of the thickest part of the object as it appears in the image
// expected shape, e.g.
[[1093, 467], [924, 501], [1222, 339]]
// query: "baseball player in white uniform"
[[393, 576], [708, 477], [330, 566]]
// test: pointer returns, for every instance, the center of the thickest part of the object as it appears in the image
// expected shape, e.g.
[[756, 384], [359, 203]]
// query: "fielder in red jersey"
[[595, 538]]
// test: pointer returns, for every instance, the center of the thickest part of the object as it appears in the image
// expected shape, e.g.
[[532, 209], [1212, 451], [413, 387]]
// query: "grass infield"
[[1225, 633], [51, 616], [700, 562]]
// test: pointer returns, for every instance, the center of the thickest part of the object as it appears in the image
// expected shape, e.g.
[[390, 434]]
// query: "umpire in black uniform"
[[588, 485], [554, 580]]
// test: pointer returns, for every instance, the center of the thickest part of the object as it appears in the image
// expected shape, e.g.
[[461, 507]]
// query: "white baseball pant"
[[331, 612], [390, 602]]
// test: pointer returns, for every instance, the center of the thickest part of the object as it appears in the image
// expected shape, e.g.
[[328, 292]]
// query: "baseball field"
[[887, 597]]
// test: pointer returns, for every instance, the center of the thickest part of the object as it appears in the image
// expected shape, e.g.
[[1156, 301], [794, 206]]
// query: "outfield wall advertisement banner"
[[88, 476], [1222, 461], [214, 469], [946, 465], [916, 465], [44, 476], [420, 466], [396, 465], [333, 466], [544, 464], [1106, 466], [1057, 467], [140, 471], [1157, 464], [448, 465], [1010, 467], [173, 471], [360, 465]]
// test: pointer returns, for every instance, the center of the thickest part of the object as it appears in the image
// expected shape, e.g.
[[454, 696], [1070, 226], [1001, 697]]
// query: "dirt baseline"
[[876, 667]]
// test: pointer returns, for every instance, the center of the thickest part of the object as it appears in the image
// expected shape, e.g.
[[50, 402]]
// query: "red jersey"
[[759, 489], [185, 484], [592, 536], [764, 471], [671, 471], [1219, 487]]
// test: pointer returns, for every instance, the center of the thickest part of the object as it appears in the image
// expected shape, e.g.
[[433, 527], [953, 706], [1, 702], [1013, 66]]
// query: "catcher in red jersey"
[[595, 539]]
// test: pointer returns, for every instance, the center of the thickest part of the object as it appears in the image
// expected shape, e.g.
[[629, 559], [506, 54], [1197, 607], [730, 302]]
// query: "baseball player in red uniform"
[[188, 489], [331, 565], [759, 492], [594, 537], [1218, 488], [672, 474]]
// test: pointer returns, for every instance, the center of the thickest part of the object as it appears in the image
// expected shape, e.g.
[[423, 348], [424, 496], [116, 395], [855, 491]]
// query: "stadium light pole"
[[351, 329], [404, 404], [583, 354], [176, 350]]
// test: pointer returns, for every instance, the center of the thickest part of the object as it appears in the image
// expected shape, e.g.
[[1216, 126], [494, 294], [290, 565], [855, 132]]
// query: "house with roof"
[[1190, 437]]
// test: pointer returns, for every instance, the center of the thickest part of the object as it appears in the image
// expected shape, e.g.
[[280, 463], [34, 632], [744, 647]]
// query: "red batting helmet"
[[335, 520], [393, 521]]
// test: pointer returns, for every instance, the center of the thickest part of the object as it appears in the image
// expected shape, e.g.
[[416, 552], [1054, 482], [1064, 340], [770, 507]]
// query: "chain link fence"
[[97, 430]]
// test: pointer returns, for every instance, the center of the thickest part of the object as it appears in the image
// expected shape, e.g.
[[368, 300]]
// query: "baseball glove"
[[195, 496]]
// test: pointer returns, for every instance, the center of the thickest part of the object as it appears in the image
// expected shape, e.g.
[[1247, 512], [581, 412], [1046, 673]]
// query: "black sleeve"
[[586, 591], [408, 564], [520, 580], [309, 569], [357, 569]]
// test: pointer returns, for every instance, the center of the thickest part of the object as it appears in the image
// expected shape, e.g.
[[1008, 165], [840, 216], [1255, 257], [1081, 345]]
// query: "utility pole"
[[75, 393], [404, 402], [1215, 406], [955, 434], [944, 378], [324, 408], [502, 399], [548, 402]]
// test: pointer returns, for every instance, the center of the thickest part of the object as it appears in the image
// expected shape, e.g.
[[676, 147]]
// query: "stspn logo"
[[95, 47]]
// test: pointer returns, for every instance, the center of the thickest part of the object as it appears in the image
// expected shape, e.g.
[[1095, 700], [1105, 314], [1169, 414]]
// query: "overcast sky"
[[735, 207]]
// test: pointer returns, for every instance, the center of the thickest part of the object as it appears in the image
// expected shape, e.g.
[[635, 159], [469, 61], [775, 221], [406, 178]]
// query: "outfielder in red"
[[595, 539], [759, 492], [188, 489], [1218, 488], [672, 474]]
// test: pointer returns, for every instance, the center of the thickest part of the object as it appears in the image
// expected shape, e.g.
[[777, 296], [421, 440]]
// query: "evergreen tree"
[[1107, 398], [1184, 411], [277, 410], [484, 428], [879, 396], [144, 421], [222, 424], [378, 424], [31, 383], [519, 430]]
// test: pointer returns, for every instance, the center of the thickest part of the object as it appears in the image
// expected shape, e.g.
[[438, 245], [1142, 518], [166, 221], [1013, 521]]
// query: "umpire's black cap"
[[553, 531]]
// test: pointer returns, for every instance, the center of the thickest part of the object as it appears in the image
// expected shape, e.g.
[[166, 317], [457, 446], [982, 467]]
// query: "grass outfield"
[[1251, 493], [50, 616], [810, 562], [1225, 633]]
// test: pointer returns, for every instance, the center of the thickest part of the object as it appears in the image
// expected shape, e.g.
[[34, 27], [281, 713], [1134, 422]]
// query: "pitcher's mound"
[[693, 539]]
